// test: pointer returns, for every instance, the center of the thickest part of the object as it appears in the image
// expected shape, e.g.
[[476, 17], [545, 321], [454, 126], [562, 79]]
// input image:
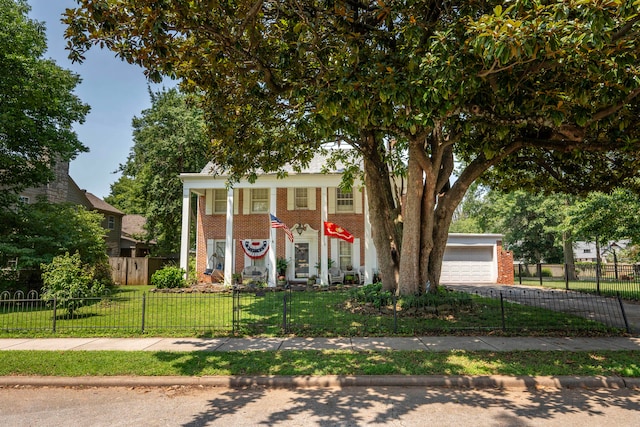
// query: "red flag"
[[331, 229]]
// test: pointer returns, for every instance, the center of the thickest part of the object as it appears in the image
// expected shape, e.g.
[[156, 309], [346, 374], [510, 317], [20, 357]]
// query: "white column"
[[271, 260], [370, 261], [324, 249], [229, 259], [186, 223]]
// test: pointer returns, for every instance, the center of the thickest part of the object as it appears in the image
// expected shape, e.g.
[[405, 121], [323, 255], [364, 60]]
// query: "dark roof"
[[99, 204], [133, 224]]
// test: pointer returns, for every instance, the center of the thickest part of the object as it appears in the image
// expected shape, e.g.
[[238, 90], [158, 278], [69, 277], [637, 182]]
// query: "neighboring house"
[[112, 222], [64, 189], [132, 243], [587, 252], [233, 229]]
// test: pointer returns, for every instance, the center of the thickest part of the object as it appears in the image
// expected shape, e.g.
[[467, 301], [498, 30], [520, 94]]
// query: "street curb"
[[429, 381]]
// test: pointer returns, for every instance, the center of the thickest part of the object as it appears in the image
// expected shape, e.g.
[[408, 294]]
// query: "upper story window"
[[259, 200], [111, 222], [24, 199], [219, 201], [302, 198], [344, 201]]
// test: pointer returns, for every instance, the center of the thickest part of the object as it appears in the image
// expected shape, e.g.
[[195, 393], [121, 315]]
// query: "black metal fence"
[[601, 279], [339, 312]]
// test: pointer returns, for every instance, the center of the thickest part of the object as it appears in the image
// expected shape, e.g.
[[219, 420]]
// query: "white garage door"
[[468, 264]]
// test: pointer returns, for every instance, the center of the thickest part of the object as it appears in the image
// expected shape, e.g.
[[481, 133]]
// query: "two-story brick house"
[[229, 220], [233, 229]]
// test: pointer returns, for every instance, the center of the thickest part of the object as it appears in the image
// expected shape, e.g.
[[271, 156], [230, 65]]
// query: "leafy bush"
[[546, 272], [71, 282], [372, 294], [168, 277]]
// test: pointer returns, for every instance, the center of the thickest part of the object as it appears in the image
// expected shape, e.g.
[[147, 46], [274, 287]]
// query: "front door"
[[301, 261]]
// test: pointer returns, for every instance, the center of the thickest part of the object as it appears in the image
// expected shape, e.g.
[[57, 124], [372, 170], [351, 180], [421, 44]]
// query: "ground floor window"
[[345, 255]]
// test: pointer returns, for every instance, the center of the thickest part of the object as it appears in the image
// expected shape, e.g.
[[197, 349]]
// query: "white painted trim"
[[370, 256], [355, 254], [291, 199], [357, 200], [324, 251], [208, 205], [229, 246], [311, 198], [331, 195], [246, 201], [335, 252], [271, 255], [186, 222], [236, 201], [202, 181]]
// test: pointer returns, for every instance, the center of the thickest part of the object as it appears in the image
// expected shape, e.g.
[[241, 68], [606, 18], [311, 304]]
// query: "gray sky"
[[116, 92]]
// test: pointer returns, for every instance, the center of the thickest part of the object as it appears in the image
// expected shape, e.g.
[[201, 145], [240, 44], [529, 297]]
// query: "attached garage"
[[471, 258]]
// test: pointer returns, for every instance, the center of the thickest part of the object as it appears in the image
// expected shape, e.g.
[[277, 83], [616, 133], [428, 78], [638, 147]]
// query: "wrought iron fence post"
[[539, 266], [144, 308], [395, 314], [284, 312], [520, 273], [235, 307], [504, 325], [55, 313], [598, 277], [624, 314]]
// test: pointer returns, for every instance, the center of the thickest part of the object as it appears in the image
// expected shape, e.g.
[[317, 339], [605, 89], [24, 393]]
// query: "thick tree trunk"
[[410, 258], [384, 216], [567, 246]]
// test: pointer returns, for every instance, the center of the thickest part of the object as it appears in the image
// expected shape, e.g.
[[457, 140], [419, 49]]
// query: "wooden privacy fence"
[[135, 270]]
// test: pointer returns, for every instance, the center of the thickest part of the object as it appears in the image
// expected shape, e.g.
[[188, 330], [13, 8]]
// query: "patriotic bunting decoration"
[[331, 229], [276, 223], [255, 248]]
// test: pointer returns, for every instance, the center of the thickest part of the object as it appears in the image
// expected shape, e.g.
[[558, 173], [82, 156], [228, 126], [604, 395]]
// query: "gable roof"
[[133, 225], [99, 204]]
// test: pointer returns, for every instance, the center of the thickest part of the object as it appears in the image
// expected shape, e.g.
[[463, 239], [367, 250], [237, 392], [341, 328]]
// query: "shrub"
[[71, 282], [168, 277], [546, 272], [372, 294]]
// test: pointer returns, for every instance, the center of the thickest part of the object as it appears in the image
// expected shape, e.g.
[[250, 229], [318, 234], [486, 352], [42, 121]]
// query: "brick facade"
[[258, 227], [505, 266]]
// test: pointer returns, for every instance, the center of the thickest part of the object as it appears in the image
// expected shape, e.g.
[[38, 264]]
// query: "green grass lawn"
[[626, 290], [141, 363], [134, 311]]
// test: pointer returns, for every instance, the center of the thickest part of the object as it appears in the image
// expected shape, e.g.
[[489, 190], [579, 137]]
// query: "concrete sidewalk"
[[427, 343]]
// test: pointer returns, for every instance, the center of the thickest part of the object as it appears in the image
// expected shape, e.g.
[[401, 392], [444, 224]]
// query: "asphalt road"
[[355, 406]]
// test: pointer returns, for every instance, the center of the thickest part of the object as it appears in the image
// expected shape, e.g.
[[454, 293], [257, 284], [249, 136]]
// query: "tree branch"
[[613, 108]]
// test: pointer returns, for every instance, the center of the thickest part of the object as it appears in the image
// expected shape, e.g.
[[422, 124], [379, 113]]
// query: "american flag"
[[276, 223]]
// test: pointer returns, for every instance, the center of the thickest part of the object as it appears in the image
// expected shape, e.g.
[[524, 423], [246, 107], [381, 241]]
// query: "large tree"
[[36, 233], [169, 138], [549, 87], [37, 105], [606, 217]]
